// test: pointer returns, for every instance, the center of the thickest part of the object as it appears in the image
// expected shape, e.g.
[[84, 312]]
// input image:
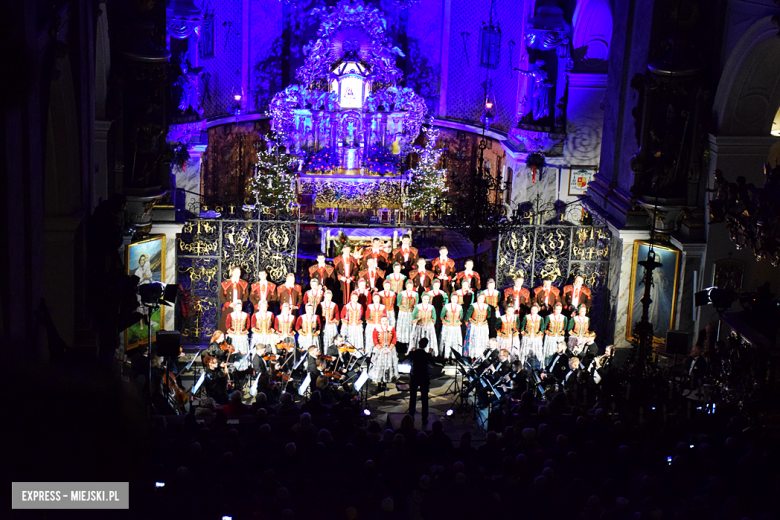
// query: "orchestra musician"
[[216, 379], [423, 323], [262, 290], [576, 294], [384, 361], [555, 371], [493, 374], [214, 349], [470, 275], [444, 269], [374, 314], [406, 255], [258, 364], [231, 291], [329, 312], [352, 322], [518, 296], [290, 293], [324, 274], [312, 357], [546, 296], [421, 277], [346, 272]]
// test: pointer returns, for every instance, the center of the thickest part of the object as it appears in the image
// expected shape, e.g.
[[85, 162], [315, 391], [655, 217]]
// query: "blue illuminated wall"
[[222, 73]]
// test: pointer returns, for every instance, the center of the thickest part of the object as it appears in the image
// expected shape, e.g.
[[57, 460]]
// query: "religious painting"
[[579, 178], [663, 291], [146, 260], [727, 274]]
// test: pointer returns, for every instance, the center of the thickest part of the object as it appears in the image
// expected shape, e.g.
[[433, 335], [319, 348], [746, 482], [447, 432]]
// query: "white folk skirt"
[[451, 338], [425, 331], [511, 345], [353, 335], [384, 367], [532, 352], [477, 337], [370, 328], [269, 339], [403, 327], [550, 347], [304, 342], [328, 333]]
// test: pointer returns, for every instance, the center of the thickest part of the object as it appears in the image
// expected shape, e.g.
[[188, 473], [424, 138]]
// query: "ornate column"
[[692, 260]]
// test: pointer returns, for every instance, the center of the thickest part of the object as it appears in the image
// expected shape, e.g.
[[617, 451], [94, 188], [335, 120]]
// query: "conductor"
[[420, 377]]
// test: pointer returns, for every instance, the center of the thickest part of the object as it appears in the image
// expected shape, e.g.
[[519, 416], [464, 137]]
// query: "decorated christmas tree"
[[427, 189], [273, 185]]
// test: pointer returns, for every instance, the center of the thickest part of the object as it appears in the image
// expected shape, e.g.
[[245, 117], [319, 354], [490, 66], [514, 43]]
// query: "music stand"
[[460, 369], [362, 389]]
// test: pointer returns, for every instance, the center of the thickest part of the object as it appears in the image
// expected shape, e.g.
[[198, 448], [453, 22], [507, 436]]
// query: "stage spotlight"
[[450, 412], [691, 446], [159, 484], [226, 517], [366, 412], [151, 293]]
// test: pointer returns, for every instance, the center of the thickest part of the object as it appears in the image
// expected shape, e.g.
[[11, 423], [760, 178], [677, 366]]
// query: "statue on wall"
[[190, 85], [541, 90]]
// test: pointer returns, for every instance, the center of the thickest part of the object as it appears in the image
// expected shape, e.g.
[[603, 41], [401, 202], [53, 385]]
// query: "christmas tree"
[[273, 185], [427, 189]]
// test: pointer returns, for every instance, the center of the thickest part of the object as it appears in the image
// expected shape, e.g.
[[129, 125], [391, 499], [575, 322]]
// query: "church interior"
[[247, 239]]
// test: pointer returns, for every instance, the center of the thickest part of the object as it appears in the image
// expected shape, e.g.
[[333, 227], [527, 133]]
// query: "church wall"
[[265, 50], [465, 94], [222, 73], [424, 36]]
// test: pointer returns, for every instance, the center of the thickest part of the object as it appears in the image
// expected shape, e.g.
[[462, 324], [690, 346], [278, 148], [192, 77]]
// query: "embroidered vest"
[[286, 326], [263, 324], [314, 298], [388, 301], [452, 317], [580, 328], [479, 316], [556, 327], [508, 328], [396, 285], [384, 336], [425, 315], [408, 302], [309, 326], [238, 324], [492, 299], [533, 326], [354, 314], [328, 312], [374, 315]]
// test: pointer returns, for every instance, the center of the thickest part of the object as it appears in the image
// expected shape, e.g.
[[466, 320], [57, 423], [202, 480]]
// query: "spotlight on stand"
[[366, 412], [450, 412], [157, 293]]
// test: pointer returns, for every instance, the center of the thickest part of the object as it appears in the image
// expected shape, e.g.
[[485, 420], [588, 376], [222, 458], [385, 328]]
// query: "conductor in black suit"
[[420, 377]]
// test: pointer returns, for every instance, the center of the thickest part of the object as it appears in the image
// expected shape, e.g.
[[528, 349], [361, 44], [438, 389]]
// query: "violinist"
[[216, 379], [259, 364], [332, 350], [311, 363], [217, 347]]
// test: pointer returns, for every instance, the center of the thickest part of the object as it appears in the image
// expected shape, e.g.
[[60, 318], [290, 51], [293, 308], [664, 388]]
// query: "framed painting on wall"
[[146, 260], [727, 274], [579, 178], [663, 291]]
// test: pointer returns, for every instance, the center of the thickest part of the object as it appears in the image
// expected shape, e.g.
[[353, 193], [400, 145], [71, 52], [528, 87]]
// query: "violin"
[[327, 358], [334, 375], [283, 376], [270, 357], [346, 349], [283, 346], [230, 349]]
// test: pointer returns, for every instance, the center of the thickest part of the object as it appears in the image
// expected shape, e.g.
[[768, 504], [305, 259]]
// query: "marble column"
[[620, 281], [691, 260], [102, 185], [188, 178], [170, 230]]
